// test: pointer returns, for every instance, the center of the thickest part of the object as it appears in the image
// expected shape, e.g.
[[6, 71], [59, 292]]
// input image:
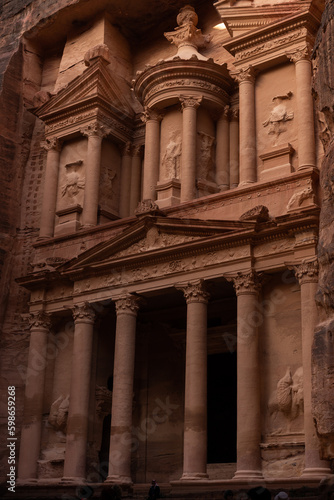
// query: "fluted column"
[[53, 148], [77, 423], [247, 287], [124, 202], [34, 396], [135, 177], [307, 275], [195, 406], [222, 151], [95, 134], [306, 136], [152, 118], [121, 411], [234, 147], [189, 136], [247, 145]]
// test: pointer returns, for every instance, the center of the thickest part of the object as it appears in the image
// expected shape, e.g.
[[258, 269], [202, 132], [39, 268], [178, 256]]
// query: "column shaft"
[[234, 148], [77, 423], [121, 412], [135, 179], [95, 134], [307, 276], [248, 380], [195, 408], [33, 398], [189, 139], [222, 151], [124, 202], [152, 153], [246, 81], [53, 147]]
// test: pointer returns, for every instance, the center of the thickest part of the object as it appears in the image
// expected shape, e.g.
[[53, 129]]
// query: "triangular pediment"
[[149, 237], [95, 83]]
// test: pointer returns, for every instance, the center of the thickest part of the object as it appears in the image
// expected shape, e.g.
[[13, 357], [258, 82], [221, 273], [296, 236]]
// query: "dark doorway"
[[222, 407]]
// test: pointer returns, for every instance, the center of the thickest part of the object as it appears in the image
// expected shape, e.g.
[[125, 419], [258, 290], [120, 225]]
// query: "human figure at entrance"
[[154, 491]]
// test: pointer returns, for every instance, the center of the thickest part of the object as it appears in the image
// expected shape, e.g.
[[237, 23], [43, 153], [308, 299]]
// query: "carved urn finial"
[[187, 37]]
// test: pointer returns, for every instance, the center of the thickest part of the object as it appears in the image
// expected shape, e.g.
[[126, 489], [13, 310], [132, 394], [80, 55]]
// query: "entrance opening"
[[222, 407]]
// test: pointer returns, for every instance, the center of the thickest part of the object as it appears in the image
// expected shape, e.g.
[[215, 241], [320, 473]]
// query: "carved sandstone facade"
[[170, 269]]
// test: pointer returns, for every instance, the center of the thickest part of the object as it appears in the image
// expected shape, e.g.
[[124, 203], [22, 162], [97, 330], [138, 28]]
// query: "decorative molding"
[[151, 114], [194, 291], [99, 51], [244, 75], [127, 149], [306, 272], [260, 213], [300, 54]]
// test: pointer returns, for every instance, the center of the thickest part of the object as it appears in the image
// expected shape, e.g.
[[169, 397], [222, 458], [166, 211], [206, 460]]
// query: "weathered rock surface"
[[323, 373]]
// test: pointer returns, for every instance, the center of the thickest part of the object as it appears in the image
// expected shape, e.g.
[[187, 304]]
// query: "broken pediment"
[[151, 237], [95, 86]]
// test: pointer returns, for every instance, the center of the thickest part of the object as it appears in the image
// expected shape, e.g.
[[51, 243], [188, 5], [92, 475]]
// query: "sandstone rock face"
[[323, 374]]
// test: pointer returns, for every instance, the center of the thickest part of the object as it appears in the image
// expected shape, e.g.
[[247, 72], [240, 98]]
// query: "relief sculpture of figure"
[[279, 115], [206, 156], [172, 158], [59, 413], [73, 182]]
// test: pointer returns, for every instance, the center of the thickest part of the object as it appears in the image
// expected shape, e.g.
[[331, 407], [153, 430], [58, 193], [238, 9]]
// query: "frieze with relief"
[[268, 46]]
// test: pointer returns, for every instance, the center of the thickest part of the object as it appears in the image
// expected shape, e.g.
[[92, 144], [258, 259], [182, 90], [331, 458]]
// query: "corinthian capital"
[[51, 143], [151, 114], [39, 319], [306, 272], [244, 75], [127, 304], [95, 130], [246, 283], [300, 54], [190, 101], [83, 313], [194, 291]]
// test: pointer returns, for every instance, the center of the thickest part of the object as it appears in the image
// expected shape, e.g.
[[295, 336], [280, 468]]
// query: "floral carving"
[[246, 283], [94, 129], [194, 291], [306, 272], [83, 312], [302, 53], [128, 304], [52, 143], [244, 75], [39, 319], [190, 101], [151, 114]]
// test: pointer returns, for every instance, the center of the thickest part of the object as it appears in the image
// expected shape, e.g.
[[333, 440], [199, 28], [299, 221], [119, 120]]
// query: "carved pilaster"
[[95, 130], [190, 101], [306, 272], [234, 114], [194, 292], [83, 313], [151, 114], [246, 283], [52, 143], [244, 75], [137, 150], [300, 54], [128, 304], [127, 149]]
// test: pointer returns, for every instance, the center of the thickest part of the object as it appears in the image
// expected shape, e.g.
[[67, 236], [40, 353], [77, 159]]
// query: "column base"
[[73, 480], [23, 481], [313, 472], [191, 476], [247, 475], [116, 479], [245, 183]]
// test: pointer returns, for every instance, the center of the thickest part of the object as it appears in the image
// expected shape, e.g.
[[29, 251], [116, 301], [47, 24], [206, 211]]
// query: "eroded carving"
[[103, 399], [297, 199], [205, 161], [59, 413], [74, 180], [171, 161], [288, 398], [279, 116], [194, 291]]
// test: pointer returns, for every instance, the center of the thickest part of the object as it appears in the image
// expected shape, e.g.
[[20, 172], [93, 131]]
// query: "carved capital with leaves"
[[95, 130], [128, 304], [300, 54], [151, 114], [39, 320], [52, 143], [83, 313], [194, 291], [244, 75], [190, 101], [306, 272], [247, 283]]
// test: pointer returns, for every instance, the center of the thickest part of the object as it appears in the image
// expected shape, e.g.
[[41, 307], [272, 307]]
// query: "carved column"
[[77, 423], [195, 406], [307, 275], [124, 202], [222, 151], [95, 134], [234, 147], [246, 80], [34, 396], [152, 119], [189, 136], [135, 177], [121, 411], [247, 287], [53, 148], [306, 136]]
